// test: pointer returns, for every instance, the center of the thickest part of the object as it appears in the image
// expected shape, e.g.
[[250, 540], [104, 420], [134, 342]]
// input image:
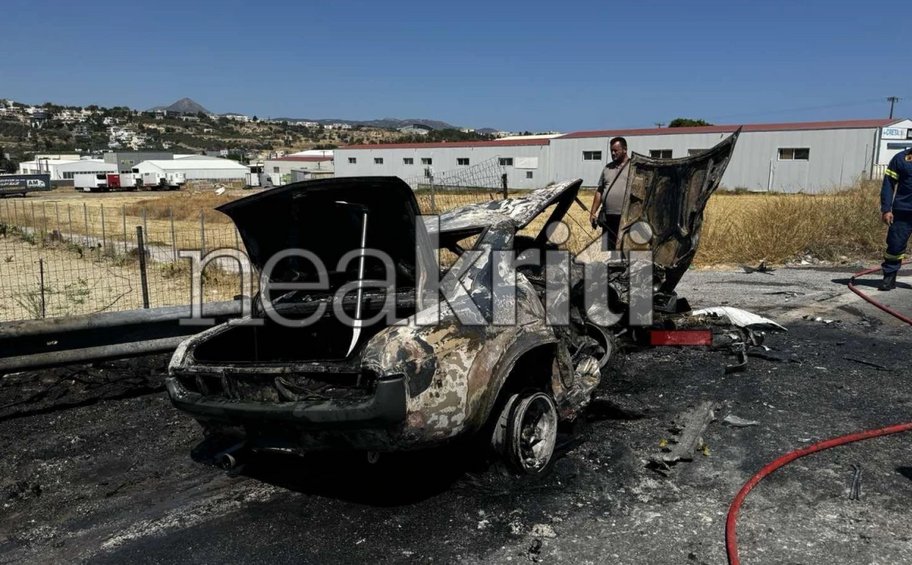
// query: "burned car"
[[358, 339]]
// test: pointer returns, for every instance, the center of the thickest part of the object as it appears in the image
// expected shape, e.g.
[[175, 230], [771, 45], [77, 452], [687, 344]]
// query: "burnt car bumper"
[[385, 407]]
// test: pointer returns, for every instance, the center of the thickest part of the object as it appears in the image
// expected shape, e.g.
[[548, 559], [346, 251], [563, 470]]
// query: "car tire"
[[526, 433]]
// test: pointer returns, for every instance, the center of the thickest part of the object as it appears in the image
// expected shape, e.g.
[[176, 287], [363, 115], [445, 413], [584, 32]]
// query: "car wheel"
[[526, 432]]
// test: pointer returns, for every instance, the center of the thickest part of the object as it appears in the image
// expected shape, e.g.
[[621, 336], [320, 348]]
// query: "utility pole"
[[892, 100], [659, 124]]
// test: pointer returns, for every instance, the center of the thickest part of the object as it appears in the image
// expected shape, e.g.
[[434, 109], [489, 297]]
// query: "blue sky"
[[513, 65]]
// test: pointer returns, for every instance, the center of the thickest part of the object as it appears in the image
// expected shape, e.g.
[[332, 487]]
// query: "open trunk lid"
[[325, 217]]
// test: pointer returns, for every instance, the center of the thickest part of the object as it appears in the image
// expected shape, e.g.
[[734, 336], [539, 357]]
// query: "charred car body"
[[295, 374]]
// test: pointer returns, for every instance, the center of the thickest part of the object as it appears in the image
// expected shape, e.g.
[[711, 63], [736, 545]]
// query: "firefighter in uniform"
[[896, 211]]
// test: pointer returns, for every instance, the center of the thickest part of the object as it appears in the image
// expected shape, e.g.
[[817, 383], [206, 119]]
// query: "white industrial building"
[[787, 157], [526, 162], [204, 168], [284, 170], [64, 169]]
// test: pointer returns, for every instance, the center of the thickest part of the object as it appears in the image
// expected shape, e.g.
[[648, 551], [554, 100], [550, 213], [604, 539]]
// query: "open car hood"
[[663, 207], [325, 217]]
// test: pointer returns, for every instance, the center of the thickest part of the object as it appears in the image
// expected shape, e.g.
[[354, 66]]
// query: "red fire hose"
[[731, 537], [886, 309]]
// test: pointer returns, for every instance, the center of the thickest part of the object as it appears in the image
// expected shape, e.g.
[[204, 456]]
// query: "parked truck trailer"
[[103, 182], [11, 185], [159, 181]]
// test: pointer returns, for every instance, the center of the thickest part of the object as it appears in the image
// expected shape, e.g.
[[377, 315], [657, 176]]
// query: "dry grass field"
[[86, 242]]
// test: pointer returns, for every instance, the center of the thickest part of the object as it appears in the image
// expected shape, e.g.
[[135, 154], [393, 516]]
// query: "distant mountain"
[[388, 123], [183, 106]]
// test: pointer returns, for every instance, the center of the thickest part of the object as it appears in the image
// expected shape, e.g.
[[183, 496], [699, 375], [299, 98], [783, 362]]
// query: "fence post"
[[104, 233], [202, 232], [41, 283], [57, 214], [143, 281], [145, 222], [173, 236], [70, 222], [503, 181], [433, 203], [85, 215], [123, 217], [34, 221]]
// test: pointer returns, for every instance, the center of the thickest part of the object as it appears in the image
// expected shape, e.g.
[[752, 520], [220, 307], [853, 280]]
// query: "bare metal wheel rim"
[[534, 431]]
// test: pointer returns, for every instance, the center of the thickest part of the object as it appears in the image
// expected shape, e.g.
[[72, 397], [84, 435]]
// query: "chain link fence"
[[62, 259], [438, 192]]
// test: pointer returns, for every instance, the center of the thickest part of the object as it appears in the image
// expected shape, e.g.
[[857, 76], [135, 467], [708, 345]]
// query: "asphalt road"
[[97, 466]]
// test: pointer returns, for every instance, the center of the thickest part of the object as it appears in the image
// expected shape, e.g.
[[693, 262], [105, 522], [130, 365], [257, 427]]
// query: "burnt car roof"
[[520, 210]]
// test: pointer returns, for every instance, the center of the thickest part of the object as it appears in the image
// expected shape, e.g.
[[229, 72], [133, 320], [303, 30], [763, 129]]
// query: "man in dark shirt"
[[896, 212]]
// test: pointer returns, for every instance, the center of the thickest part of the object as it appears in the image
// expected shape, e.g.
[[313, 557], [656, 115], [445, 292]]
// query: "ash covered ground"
[[97, 465]]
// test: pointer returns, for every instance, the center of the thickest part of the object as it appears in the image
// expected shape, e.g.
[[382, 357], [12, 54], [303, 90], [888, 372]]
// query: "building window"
[[506, 161], [660, 153], [427, 161], [275, 169], [794, 153], [378, 160], [408, 161], [695, 151], [352, 160], [592, 155], [462, 161], [528, 174]]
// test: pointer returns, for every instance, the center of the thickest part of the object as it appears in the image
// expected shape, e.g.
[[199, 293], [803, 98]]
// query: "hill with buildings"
[[188, 127]]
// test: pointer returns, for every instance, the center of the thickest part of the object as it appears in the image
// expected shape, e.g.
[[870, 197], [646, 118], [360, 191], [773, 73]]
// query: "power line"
[[797, 109]]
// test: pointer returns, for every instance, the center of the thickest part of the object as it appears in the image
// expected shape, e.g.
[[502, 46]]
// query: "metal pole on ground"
[[143, 281]]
